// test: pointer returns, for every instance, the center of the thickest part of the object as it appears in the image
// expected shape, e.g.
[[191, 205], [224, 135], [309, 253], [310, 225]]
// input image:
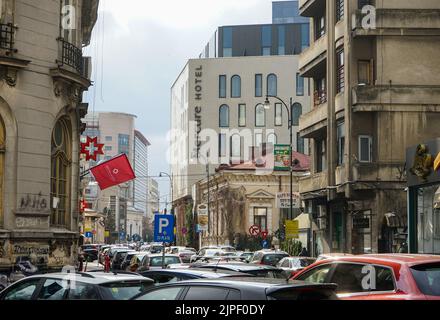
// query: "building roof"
[[141, 137]]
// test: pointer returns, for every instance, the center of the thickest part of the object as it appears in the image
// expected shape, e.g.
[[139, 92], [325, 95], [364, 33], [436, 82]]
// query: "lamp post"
[[267, 106]]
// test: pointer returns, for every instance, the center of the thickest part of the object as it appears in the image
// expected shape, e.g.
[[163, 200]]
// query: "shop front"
[[424, 197]]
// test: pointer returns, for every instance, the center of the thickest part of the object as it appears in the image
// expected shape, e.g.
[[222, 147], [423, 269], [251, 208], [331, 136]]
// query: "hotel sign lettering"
[[198, 91]]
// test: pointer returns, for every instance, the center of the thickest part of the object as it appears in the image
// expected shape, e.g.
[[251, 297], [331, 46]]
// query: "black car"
[[176, 275], [119, 257], [256, 270], [240, 289], [77, 286]]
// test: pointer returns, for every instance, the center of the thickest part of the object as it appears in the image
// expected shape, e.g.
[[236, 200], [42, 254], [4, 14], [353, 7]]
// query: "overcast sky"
[[139, 48]]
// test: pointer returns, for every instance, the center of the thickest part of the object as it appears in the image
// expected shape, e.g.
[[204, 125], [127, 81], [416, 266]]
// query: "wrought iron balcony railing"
[[320, 97], [7, 37], [71, 55]]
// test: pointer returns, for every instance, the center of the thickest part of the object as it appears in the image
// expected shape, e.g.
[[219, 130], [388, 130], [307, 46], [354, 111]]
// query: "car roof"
[[200, 272], [237, 266], [97, 278], [160, 255]]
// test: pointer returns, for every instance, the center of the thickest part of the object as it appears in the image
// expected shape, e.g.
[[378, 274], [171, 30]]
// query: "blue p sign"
[[164, 228]]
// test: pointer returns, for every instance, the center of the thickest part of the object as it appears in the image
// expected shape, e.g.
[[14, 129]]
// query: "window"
[[320, 155], [206, 293], [108, 148], [340, 72], [339, 10], [164, 294], [365, 149], [320, 95], [272, 85], [222, 145], [427, 277], [22, 291], [241, 115], [53, 290], [60, 173], [224, 116], [222, 86], [296, 114], [82, 291], [319, 27], [236, 146], [2, 165], [278, 114], [365, 73], [299, 85], [272, 138], [281, 40], [299, 143], [260, 218], [266, 40], [350, 278], [258, 85], [260, 116], [108, 138], [341, 142], [316, 275], [124, 143], [236, 87], [362, 3], [227, 42], [305, 36], [258, 139]]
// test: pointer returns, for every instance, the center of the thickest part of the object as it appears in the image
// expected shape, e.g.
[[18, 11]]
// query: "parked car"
[[175, 275], [332, 255], [379, 277], [292, 265], [208, 253], [239, 289], [87, 286], [102, 252], [154, 261], [246, 256], [261, 271], [126, 263], [136, 261], [268, 257], [184, 253], [115, 249], [118, 258]]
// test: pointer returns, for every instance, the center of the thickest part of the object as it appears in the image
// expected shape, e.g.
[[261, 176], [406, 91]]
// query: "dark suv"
[[268, 257]]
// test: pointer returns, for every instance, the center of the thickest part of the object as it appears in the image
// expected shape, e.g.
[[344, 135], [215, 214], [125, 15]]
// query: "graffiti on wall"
[[34, 203], [31, 222]]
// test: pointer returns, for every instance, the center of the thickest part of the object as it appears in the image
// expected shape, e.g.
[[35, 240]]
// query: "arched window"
[[236, 146], [223, 116], [61, 161], [235, 86], [296, 114], [2, 165], [272, 85], [272, 138], [260, 116]]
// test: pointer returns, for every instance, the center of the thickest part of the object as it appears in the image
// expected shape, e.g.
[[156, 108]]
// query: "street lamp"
[[164, 174], [267, 106]]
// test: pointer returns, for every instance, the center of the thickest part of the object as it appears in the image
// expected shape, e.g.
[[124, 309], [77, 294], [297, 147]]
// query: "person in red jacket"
[[107, 263]]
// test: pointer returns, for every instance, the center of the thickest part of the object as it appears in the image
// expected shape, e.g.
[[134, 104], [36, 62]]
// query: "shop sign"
[[283, 200], [282, 157]]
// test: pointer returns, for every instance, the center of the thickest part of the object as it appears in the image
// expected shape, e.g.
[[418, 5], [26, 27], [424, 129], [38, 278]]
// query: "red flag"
[[113, 172]]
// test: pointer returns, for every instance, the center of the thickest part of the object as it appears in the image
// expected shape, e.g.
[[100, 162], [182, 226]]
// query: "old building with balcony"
[[42, 78], [375, 72]]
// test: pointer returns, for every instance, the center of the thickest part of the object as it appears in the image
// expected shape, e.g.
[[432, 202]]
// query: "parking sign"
[[164, 228]]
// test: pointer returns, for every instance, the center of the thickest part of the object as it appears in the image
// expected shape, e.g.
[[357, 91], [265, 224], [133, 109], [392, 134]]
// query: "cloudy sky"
[[140, 46]]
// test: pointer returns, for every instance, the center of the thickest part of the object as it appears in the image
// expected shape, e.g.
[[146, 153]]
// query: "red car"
[[379, 276]]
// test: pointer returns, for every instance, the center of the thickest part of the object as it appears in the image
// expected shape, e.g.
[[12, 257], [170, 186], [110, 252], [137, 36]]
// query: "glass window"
[[300, 143], [162, 294], [258, 85], [123, 143], [296, 114], [305, 36], [258, 139], [319, 27], [227, 42], [242, 115], [108, 138], [222, 145], [428, 220], [272, 138], [108, 148], [236, 146], [236, 87], [224, 116], [266, 40], [22, 291], [365, 149], [53, 290], [364, 72], [126, 290], [321, 155], [427, 277], [340, 71], [320, 94], [278, 114], [316, 275], [281, 40], [299, 85], [260, 116], [222, 86], [206, 293], [260, 218], [81, 291], [157, 261], [339, 10], [341, 142], [272, 85]]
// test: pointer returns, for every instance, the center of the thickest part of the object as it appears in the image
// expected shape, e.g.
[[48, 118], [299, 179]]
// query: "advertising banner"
[[283, 200], [282, 157]]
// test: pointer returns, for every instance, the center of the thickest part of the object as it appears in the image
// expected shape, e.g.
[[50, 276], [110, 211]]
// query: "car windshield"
[[157, 261], [213, 252], [126, 290], [265, 273], [273, 259], [306, 262], [427, 277]]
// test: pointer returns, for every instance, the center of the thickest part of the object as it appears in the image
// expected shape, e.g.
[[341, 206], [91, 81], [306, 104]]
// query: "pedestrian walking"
[[304, 253], [80, 262], [107, 263]]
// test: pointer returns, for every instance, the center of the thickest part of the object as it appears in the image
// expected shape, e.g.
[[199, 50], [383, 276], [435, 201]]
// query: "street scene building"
[[43, 77], [370, 102]]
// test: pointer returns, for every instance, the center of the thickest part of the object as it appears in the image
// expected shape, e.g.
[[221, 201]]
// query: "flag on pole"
[[113, 172]]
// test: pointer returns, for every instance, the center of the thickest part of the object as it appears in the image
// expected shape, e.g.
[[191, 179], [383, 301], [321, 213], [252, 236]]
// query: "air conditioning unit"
[[87, 67]]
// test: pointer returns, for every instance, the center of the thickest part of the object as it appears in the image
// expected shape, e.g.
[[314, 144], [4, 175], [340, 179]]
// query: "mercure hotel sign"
[[198, 91]]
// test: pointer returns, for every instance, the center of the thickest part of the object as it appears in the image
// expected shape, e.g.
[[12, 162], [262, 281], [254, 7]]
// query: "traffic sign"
[[265, 244], [122, 235], [164, 228], [292, 229], [264, 235], [89, 235], [255, 231]]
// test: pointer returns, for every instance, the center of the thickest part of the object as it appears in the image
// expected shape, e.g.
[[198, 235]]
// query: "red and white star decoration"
[[91, 148]]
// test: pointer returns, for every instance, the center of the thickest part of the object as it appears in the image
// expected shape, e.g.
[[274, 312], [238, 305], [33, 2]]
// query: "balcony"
[[313, 184], [400, 22], [312, 123], [310, 8], [312, 61], [70, 56], [366, 175], [398, 97]]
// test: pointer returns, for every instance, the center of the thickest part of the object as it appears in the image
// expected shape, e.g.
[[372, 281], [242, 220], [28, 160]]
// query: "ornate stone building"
[[43, 76]]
